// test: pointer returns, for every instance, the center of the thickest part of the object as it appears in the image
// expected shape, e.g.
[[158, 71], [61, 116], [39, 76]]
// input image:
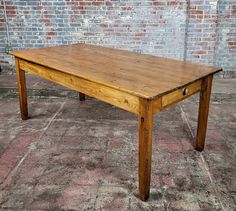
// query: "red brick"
[[196, 12], [52, 33], [233, 11]]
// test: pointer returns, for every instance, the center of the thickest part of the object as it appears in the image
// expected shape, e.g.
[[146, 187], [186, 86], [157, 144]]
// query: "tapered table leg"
[[81, 96], [145, 148], [204, 102], [22, 91]]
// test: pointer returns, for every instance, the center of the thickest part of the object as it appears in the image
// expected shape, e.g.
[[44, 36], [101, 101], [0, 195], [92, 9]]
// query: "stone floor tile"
[[18, 197], [112, 198], [46, 197]]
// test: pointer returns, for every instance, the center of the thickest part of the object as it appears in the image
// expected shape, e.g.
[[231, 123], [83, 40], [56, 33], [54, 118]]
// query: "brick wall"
[[201, 34], [226, 36], [200, 31]]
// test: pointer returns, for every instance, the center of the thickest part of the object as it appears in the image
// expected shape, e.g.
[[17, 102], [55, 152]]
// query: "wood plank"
[[145, 147], [110, 95], [157, 105], [204, 103], [20, 74], [141, 75]]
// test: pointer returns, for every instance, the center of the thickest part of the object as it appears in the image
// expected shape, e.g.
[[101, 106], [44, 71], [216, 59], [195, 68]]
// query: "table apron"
[[110, 95], [175, 96]]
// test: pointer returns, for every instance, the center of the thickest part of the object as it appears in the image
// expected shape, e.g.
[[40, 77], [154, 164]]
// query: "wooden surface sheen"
[[141, 75]]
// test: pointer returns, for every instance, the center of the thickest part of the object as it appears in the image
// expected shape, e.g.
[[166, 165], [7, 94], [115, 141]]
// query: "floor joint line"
[[31, 147]]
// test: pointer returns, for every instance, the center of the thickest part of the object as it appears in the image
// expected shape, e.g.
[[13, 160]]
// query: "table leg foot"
[[204, 102], [81, 96], [145, 148], [22, 91]]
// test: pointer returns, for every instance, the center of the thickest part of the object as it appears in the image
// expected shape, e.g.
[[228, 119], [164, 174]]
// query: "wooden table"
[[141, 84]]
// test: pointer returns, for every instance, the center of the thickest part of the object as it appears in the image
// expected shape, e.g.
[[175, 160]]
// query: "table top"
[[142, 75]]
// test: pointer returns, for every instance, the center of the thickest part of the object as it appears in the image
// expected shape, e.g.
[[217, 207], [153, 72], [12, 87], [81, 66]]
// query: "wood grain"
[[157, 106], [145, 147], [110, 95], [20, 74], [204, 103], [141, 75], [178, 95]]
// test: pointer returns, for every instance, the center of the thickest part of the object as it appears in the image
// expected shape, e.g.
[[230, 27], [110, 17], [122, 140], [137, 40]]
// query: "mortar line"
[[211, 178], [96, 196], [215, 56], [31, 147], [186, 30]]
